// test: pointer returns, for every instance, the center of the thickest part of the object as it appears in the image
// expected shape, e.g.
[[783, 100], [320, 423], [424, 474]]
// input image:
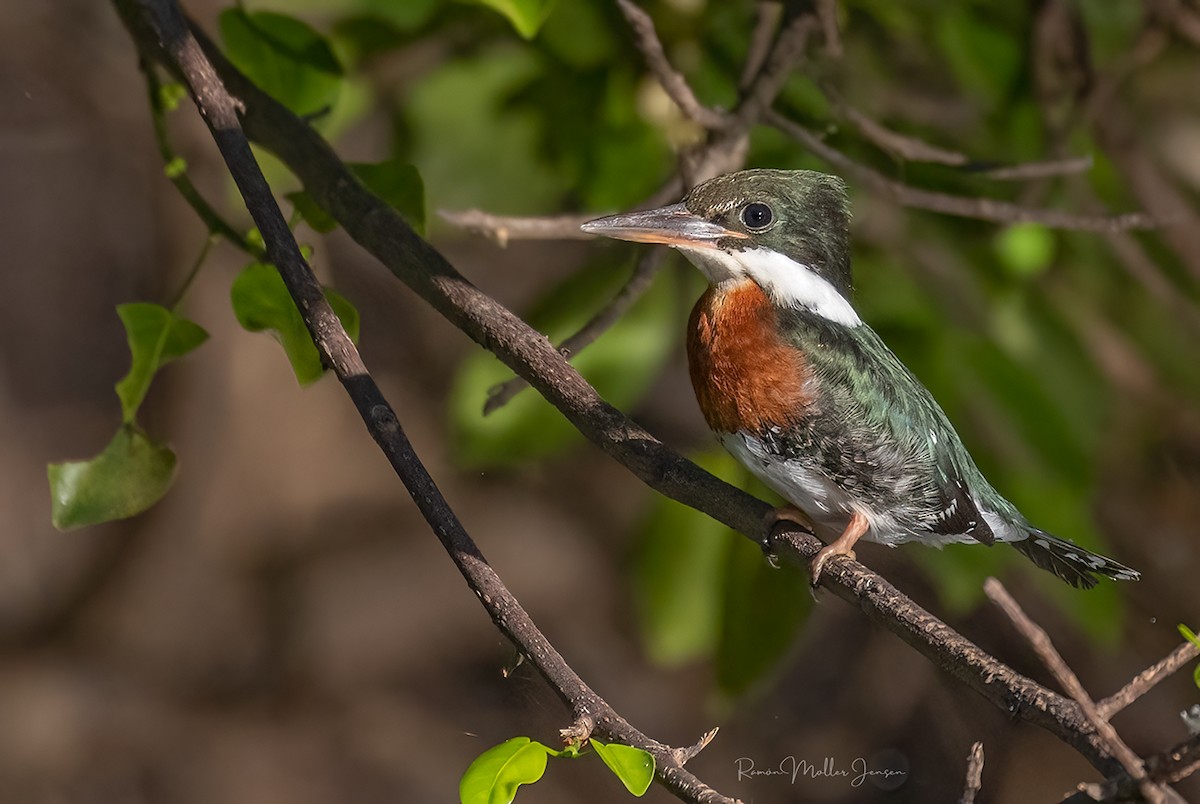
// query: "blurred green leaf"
[[982, 55], [959, 570], [1025, 249], [156, 336], [621, 364], [580, 35], [472, 147], [633, 766], [495, 775], [526, 16], [129, 476], [702, 590], [261, 303], [1190, 636], [312, 212], [399, 184], [679, 570], [285, 57], [764, 607]]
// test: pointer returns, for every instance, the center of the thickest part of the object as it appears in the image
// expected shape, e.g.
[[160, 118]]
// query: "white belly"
[[830, 506]]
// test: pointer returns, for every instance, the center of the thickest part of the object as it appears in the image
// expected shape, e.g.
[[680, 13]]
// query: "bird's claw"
[[823, 555]]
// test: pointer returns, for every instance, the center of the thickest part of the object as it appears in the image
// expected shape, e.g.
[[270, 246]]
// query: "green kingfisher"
[[807, 396]]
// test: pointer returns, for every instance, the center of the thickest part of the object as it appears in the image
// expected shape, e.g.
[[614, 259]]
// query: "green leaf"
[[156, 336], [495, 775], [396, 182], [261, 303], [399, 184], [129, 476], [312, 212], [526, 16], [764, 608], [1026, 249], [703, 590], [621, 364], [284, 57], [633, 766], [679, 574]]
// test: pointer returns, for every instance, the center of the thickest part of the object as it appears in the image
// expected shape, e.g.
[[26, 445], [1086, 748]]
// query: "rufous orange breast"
[[745, 375]]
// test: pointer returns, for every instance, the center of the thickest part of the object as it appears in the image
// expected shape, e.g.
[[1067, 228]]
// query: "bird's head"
[[786, 230]]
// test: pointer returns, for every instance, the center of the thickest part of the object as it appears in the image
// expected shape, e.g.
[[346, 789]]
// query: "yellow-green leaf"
[[495, 775], [633, 766], [261, 303], [129, 476], [526, 16], [156, 336]]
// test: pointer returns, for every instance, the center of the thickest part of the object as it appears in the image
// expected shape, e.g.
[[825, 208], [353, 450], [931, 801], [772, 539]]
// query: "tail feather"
[[1069, 561]]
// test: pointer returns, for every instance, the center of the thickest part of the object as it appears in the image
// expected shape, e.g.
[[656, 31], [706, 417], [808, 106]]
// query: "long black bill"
[[673, 225]]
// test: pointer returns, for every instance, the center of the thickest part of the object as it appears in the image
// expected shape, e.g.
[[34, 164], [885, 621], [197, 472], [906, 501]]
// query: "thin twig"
[[974, 781], [900, 145], [503, 228], [644, 271], [160, 24], [786, 54], [827, 14], [769, 14], [178, 174], [1145, 681], [209, 240], [987, 209], [1050, 168], [1168, 767], [671, 79], [1039, 640]]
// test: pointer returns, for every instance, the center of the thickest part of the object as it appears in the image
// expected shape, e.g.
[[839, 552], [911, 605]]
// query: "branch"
[[986, 209], [1168, 767], [163, 20], [1040, 641], [383, 233], [974, 781], [671, 79], [1020, 697], [1146, 680], [503, 228], [644, 271]]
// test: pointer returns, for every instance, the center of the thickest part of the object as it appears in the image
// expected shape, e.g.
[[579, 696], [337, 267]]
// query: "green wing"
[[893, 439]]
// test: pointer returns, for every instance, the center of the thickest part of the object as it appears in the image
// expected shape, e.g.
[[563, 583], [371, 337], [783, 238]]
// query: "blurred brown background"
[[284, 628]]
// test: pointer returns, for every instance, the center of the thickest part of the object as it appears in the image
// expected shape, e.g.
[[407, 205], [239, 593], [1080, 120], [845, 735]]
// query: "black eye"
[[757, 216]]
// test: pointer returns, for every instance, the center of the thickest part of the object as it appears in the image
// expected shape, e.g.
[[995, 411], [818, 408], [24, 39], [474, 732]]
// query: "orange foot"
[[842, 546]]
